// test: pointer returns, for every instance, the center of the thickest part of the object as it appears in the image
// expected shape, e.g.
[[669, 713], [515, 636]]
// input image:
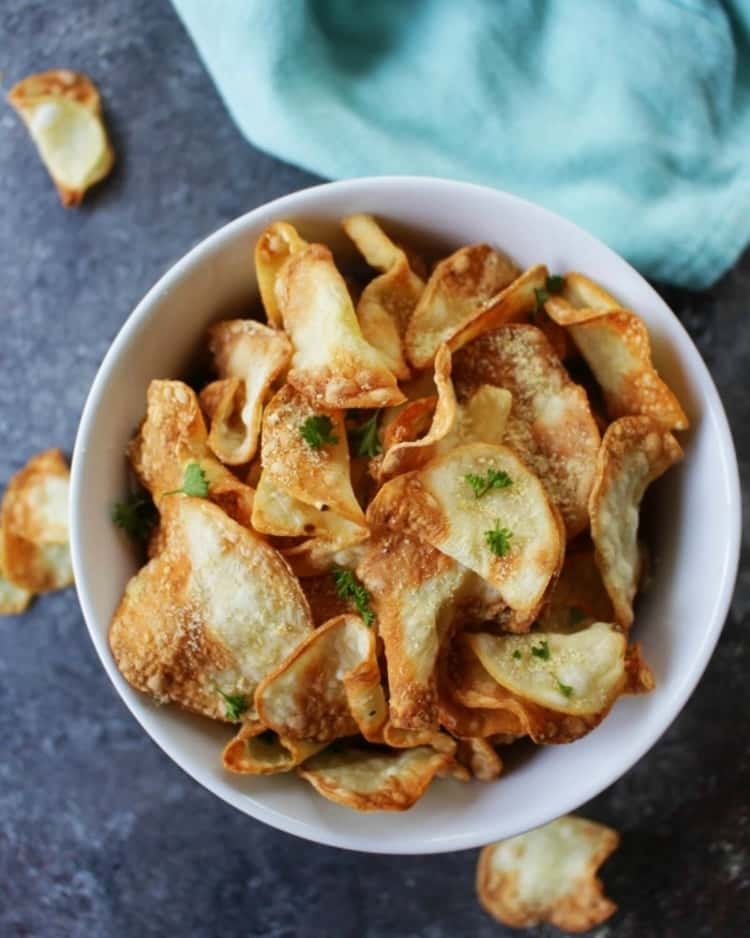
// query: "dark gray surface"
[[100, 834]]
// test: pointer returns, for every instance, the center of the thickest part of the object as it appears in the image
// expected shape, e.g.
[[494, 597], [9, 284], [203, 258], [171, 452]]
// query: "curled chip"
[[332, 364], [581, 674], [399, 738], [617, 349], [328, 687], [172, 437], [372, 779], [548, 875], [63, 113], [13, 599], [413, 587], [634, 452], [387, 302], [34, 525], [578, 597], [480, 758], [210, 616], [550, 426], [480, 505], [255, 751], [273, 247], [413, 453], [453, 296], [256, 355]]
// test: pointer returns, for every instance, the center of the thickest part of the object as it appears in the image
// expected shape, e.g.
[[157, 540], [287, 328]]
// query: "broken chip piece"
[[372, 779], [13, 599], [63, 113], [548, 875], [34, 525], [634, 452]]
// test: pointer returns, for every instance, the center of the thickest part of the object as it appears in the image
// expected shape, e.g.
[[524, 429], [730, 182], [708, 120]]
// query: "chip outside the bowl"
[[548, 875], [63, 113], [34, 525]]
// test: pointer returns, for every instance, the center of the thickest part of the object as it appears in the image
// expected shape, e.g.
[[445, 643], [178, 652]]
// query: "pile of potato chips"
[[34, 553], [398, 531]]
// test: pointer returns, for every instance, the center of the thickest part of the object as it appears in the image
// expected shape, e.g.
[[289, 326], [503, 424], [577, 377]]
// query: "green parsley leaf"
[[317, 431], [498, 540], [555, 284], [136, 515], [364, 439], [495, 479], [236, 704], [565, 689], [576, 614], [517, 653], [541, 298], [348, 587], [194, 482], [541, 650]]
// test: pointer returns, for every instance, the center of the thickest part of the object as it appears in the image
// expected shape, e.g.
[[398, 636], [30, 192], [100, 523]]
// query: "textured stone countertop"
[[100, 833]]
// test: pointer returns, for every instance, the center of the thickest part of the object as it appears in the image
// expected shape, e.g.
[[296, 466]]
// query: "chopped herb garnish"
[[517, 653], [136, 515], [236, 704], [576, 615], [194, 482], [541, 650], [348, 587], [317, 431], [553, 284], [364, 439], [498, 540], [495, 479], [565, 689]]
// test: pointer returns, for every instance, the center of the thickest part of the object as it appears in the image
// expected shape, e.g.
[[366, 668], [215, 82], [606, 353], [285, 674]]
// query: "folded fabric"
[[631, 117]]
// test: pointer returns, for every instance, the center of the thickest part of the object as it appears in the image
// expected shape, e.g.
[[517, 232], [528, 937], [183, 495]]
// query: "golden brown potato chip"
[[278, 242], [480, 758], [387, 302], [254, 751], [210, 616], [63, 113], [256, 355], [399, 738], [372, 779], [411, 454], [578, 597], [507, 532], [616, 346], [313, 470], [34, 525], [328, 687], [582, 292], [453, 296], [548, 875], [469, 685], [217, 392], [634, 452], [319, 555], [550, 426], [332, 363], [173, 436], [472, 722], [412, 588], [581, 674], [13, 599]]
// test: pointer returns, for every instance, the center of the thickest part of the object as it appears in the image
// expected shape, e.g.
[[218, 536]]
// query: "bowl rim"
[[295, 203]]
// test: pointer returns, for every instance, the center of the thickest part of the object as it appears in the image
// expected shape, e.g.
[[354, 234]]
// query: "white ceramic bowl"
[[694, 517]]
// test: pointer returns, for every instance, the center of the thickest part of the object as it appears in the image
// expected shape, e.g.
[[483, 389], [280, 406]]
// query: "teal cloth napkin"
[[631, 117]]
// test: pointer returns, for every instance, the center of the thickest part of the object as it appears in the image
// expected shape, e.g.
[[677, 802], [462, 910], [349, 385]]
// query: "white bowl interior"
[[693, 514]]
